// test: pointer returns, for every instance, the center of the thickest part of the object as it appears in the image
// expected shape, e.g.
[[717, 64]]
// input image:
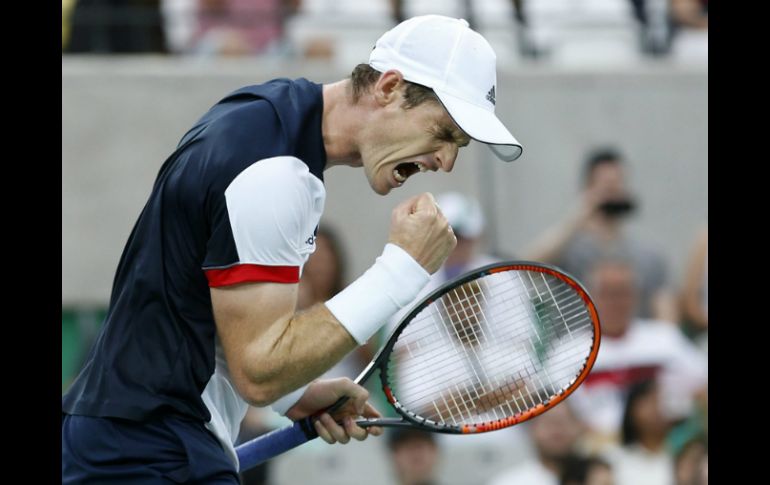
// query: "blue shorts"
[[166, 450]]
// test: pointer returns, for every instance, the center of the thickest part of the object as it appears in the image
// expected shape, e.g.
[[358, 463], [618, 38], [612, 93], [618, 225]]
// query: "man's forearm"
[[296, 350]]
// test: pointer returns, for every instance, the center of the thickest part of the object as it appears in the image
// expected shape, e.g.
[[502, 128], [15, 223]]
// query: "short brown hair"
[[364, 76]]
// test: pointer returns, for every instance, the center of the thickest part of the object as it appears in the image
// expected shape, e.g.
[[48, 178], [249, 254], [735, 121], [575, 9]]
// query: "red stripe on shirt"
[[252, 273]]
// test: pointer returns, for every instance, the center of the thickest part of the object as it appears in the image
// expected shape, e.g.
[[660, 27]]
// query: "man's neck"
[[340, 123]]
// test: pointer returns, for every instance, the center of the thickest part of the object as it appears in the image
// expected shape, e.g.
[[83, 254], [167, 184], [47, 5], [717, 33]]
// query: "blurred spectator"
[[403, 9], [691, 433], [323, 276], [587, 31], [596, 228], [703, 471], [631, 351], [654, 25], [691, 13], [690, 462], [579, 470], [695, 304], [643, 459], [180, 19], [241, 27], [690, 22], [555, 436], [397, 10], [116, 26], [414, 455]]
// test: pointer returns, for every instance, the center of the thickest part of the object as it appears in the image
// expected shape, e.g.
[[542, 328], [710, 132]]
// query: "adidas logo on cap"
[[491, 95]]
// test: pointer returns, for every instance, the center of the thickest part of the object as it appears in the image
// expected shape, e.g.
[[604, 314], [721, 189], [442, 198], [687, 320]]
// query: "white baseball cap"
[[459, 65]]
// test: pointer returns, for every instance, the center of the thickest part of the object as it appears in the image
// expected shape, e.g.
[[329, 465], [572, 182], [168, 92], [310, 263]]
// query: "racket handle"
[[262, 448]]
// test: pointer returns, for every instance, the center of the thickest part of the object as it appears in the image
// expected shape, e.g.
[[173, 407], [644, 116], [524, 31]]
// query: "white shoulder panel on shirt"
[[274, 207]]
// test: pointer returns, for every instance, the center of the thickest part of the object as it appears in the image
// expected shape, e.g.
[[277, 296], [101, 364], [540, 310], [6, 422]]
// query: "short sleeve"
[[263, 225]]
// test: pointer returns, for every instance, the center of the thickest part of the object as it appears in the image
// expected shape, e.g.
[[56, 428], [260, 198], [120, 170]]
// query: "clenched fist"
[[419, 228]]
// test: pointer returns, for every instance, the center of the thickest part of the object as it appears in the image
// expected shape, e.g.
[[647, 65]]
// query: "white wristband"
[[282, 405], [368, 303]]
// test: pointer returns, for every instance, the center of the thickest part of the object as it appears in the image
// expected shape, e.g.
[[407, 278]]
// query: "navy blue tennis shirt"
[[238, 201]]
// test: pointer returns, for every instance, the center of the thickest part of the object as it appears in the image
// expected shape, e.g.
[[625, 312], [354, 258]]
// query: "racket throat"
[[366, 373], [385, 422]]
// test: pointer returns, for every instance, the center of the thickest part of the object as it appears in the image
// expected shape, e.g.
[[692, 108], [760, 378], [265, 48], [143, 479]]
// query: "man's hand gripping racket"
[[488, 350]]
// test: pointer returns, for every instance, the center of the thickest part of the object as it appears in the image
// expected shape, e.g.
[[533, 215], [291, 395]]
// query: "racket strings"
[[432, 336], [518, 310], [531, 389], [503, 351], [501, 329], [493, 361], [565, 362]]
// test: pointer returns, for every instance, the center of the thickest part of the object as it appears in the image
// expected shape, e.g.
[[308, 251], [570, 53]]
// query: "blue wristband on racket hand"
[[368, 303]]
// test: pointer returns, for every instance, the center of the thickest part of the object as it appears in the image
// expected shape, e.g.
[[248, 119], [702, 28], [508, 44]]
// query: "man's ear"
[[388, 88]]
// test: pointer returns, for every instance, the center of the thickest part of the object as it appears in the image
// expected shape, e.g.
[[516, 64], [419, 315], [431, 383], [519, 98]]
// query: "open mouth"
[[405, 170]]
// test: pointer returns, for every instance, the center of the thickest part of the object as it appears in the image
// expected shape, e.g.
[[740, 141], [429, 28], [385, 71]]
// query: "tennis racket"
[[490, 349]]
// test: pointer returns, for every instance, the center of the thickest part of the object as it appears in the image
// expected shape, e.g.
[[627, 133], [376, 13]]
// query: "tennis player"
[[202, 314]]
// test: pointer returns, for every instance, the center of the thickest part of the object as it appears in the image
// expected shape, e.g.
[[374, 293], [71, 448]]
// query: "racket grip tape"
[[262, 448]]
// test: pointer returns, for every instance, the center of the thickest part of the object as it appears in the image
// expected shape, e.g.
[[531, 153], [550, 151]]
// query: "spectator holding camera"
[[596, 228]]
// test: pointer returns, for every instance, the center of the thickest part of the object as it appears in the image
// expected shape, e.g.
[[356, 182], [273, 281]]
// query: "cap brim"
[[482, 125]]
